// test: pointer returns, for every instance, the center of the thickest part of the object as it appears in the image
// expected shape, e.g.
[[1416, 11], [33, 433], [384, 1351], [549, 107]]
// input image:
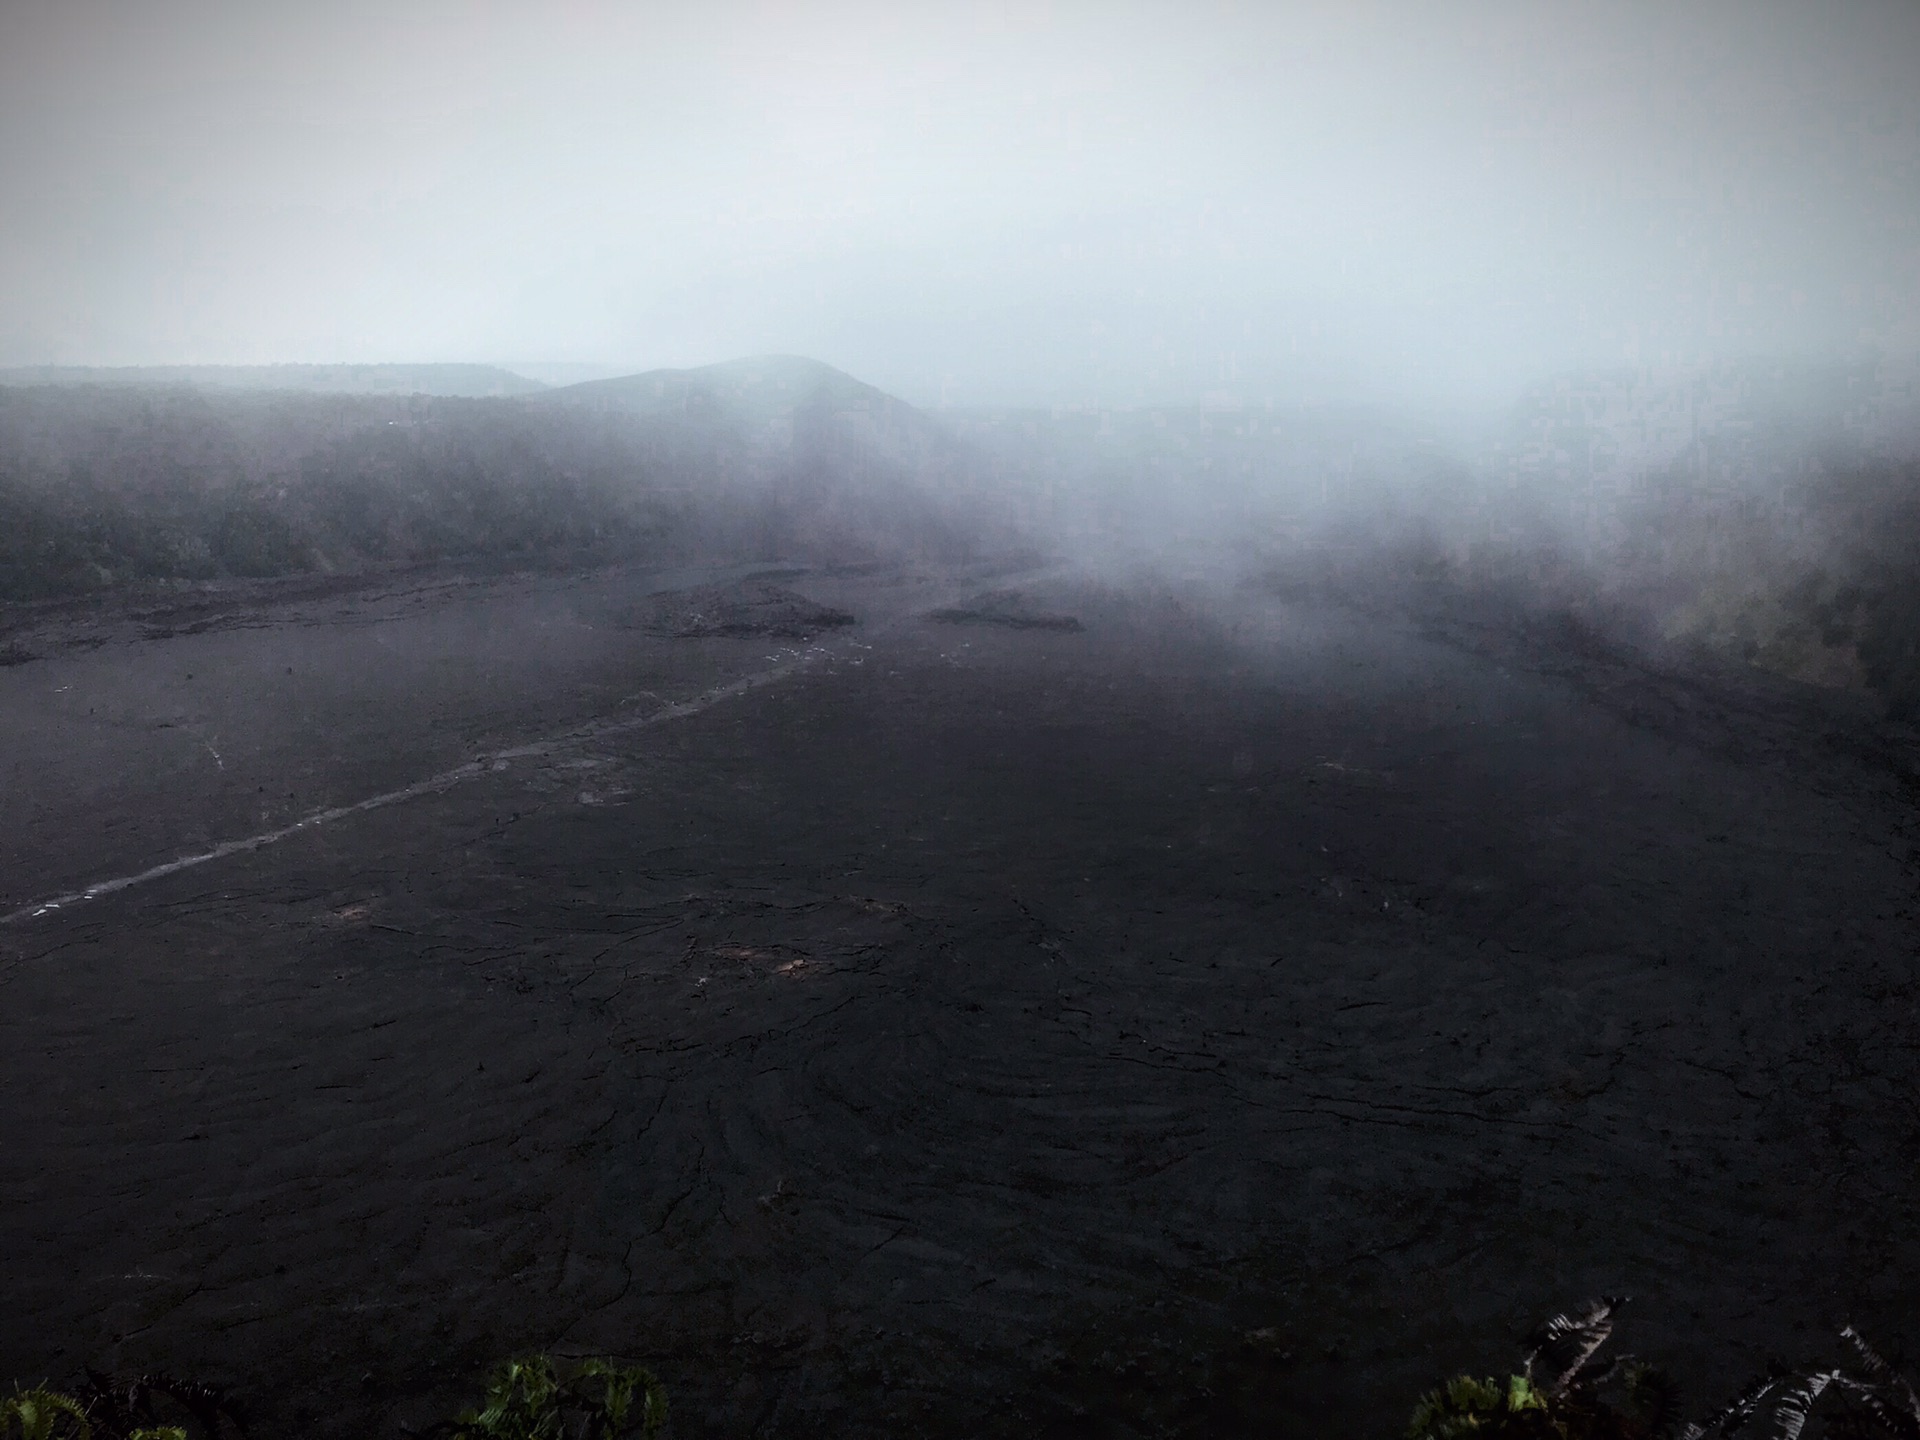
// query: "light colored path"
[[797, 660]]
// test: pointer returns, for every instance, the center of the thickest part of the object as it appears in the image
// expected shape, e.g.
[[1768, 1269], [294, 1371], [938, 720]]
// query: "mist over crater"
[[1080, 721]]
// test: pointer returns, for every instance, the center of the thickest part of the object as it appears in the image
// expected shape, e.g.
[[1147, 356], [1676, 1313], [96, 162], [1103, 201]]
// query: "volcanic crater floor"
[[1225, 1018]]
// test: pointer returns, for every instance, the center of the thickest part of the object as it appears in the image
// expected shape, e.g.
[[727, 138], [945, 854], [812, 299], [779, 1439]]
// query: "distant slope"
[[759, 387], [565, 372], [831, 454], [103, 484], [472, 381], [769, 402]]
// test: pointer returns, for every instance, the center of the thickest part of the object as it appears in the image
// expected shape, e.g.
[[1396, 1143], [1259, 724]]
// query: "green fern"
[[153, 1407], [1558, 1395], [43, 1415], [530, 1399], [1873, 1402], [1466, 1406]]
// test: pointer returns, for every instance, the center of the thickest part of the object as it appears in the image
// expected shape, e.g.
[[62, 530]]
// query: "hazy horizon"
[[979, 205]]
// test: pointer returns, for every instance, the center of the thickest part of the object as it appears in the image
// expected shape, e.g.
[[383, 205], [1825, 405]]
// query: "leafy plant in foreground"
[[1876, 1403], [532, 1399], [1558, 1395], [42, 1415], [153, 1407], [1561, 1394], [144, 1409]]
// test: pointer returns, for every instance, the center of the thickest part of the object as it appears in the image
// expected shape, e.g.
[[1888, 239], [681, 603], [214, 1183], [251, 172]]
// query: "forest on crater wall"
[[1776, 532], [101, 486], [1763, 514]]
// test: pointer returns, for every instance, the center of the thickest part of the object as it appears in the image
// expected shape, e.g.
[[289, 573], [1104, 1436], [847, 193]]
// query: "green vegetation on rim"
[[1566, 1391], [537, 1398]]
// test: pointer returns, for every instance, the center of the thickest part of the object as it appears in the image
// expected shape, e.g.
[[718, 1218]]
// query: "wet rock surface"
[[1221, 1020]]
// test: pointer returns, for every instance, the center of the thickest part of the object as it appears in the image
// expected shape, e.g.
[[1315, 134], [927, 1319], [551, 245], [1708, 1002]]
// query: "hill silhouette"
[[821, 455], [763, 459]]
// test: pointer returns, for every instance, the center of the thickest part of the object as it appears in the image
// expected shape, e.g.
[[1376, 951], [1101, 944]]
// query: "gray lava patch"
[[752, 607], [1007, 608]]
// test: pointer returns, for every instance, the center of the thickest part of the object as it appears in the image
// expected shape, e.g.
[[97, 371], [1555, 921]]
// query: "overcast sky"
[[982, 202]]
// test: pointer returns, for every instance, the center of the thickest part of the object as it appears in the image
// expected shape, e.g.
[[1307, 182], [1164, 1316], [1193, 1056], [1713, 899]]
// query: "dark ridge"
[[748, 608], [1006, 608], [760, 386], [102, 486]]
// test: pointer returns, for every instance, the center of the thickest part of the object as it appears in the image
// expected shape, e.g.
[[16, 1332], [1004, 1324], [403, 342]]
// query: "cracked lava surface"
[[1225, 1019]]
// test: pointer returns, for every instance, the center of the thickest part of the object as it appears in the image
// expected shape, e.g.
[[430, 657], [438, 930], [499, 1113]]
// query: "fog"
[[967, 205], [961, 720]]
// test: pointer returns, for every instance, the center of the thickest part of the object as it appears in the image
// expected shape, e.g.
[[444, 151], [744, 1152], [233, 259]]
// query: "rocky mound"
[[1008, 608], [749, 608]]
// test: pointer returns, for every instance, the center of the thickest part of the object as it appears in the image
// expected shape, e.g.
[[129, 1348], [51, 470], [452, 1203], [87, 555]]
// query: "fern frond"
[[1566, 1342], [1653, 1398], [210, 1407], [620, 1386], [531, 1399], [1730, 1418], [1870, 1360], [127, 1412], [1796, 1402], [1890, 1414], [1457, 1408], [41, 1414], [1904, 1407]]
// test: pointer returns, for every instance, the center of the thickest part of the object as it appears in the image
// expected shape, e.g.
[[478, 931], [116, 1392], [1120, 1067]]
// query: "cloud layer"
[[976, 203]]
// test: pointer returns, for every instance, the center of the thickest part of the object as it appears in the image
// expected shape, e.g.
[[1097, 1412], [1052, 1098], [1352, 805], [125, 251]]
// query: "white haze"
[[968, 204]]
